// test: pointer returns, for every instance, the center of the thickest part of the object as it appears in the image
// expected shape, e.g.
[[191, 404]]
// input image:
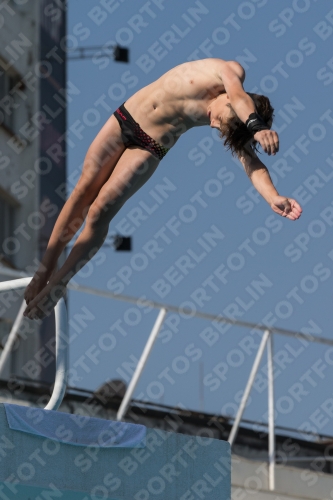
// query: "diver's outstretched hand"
[[286, 207]]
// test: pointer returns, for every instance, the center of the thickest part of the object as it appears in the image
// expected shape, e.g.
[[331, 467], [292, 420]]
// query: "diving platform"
[[46, 454]]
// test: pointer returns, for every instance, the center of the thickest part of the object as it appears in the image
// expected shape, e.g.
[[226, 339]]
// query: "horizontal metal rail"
[[6, 286], [197, 314], [304, 459], [170, 308]]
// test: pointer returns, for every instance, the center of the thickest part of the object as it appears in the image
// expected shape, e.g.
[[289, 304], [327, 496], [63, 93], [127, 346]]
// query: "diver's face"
[[219, 111]]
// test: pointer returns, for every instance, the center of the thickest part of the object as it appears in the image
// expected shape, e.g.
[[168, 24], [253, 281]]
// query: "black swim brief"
[[132, 134]]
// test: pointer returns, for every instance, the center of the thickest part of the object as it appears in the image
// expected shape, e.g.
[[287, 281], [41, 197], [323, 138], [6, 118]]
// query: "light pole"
[[119, 54]]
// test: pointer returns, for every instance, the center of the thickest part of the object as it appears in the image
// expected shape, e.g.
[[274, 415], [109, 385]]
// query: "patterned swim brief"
[[132, 134]]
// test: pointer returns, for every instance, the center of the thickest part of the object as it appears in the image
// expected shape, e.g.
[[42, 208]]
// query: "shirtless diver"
[[129, 147]]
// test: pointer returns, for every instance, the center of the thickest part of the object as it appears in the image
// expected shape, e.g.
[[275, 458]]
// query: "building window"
[[8, 105], [7, 212]]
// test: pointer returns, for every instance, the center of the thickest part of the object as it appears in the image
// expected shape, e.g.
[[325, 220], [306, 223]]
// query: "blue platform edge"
[[72, 429], [28, 492]]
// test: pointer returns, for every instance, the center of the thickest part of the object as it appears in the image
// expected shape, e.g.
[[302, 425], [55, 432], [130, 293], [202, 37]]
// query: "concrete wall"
[[249, 479]]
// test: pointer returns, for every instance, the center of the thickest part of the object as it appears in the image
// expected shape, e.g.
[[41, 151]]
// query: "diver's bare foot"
[[43, 304], [36, 285]]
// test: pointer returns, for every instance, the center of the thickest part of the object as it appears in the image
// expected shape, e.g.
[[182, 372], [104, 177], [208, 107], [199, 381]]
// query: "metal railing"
[[266, 343], [62, 342]]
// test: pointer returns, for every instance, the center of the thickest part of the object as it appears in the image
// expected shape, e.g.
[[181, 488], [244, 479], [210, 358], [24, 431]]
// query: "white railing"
[[62, 343], [266, 342]]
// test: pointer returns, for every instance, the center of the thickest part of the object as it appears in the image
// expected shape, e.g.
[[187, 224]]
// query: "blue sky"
[[200, 233]]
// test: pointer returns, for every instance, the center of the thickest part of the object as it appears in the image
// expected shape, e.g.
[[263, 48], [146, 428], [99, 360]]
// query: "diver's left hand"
[[286, 207]]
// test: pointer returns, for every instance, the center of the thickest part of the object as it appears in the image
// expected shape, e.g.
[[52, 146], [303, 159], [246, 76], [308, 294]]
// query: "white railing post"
[[141, 364], [5, 286], [271, 426], [248, 388], [62, 359], [12, 337]]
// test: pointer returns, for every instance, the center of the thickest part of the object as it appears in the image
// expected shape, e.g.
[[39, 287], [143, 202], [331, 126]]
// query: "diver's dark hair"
[[236, 135]]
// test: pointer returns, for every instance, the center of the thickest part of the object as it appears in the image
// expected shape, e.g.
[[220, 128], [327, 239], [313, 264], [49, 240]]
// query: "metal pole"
[[62, 361], [12, 337], [271, 427], [248, 388], [5, 286], [201, 386], [141, 364]]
